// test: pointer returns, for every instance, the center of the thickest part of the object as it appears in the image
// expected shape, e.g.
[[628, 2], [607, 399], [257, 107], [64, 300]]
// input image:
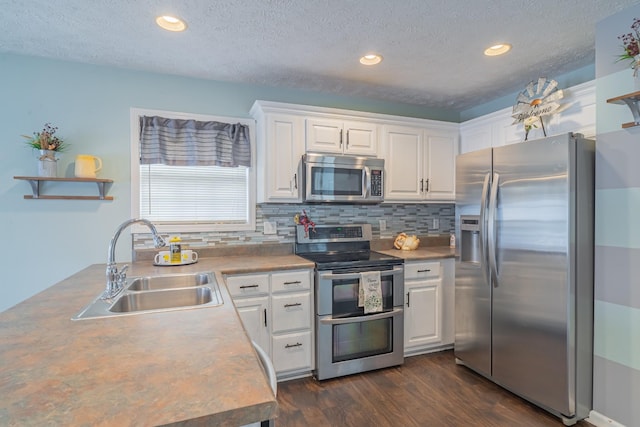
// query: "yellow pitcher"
[[87, 166]]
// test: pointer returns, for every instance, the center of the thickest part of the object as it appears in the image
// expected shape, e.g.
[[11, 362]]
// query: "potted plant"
[[48, 144]]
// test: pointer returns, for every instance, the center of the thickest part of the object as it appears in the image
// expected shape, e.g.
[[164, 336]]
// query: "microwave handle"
[[348, 276], [366, 181], [368, 317]]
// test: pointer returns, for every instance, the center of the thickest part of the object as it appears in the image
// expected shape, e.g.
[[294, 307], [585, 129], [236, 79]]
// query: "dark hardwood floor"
[[428, 390]]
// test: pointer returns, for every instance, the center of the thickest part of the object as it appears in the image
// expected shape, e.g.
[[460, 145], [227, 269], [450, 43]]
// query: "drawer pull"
[[293, 345], [296, 282], [248, 286], [292, 305], [424, 271]]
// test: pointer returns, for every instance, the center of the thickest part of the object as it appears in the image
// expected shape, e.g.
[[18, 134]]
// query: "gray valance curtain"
[[177, 142]]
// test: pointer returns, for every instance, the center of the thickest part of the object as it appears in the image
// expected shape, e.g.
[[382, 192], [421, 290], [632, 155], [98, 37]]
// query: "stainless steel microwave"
[[342, 179]]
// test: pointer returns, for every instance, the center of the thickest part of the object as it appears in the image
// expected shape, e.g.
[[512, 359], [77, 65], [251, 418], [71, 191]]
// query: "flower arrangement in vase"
[[48, 144], [631, 46]]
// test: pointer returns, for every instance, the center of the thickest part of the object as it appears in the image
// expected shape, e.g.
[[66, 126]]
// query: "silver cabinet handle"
[[427, 185], [265, 317], [293, 345], [347, 139], [422, 185], [340, 138], [248, 286], [295, 282], [424, 271], [293, 305], [295, 181], [408, 298]]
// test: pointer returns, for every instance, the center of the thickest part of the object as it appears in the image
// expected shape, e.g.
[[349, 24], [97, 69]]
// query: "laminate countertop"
[[422, 253], [186, 367]]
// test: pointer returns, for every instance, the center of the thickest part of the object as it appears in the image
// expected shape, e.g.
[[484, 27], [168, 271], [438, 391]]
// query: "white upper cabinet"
[[280, 148], [419, 163], [336, 136]]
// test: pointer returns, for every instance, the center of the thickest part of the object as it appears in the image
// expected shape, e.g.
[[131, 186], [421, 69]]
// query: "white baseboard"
[[599, 420]]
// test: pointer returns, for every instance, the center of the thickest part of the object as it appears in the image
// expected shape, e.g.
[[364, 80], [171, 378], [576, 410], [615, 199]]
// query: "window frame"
[[188, 226]]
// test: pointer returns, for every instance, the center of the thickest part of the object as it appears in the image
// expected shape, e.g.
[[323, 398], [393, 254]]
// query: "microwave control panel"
[[376, 182]]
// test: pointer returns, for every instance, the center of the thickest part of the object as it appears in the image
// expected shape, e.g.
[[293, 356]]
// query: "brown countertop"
[[422, 253], [194, 365]]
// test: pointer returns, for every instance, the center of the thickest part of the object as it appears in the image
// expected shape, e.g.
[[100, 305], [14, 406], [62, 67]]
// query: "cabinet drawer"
[[291, 311], [292, 351], [291, 280], [249, 284], [421, 270]]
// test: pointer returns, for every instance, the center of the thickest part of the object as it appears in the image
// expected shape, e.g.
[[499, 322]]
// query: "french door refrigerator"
[[524, 270]]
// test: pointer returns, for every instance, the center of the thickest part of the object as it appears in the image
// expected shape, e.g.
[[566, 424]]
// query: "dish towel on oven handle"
[[370, 292]]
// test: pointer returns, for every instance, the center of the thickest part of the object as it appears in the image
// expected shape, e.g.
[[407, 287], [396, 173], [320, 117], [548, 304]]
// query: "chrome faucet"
[[115, 278]]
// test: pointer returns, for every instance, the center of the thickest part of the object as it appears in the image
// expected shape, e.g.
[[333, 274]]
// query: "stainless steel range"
[[348, 340]]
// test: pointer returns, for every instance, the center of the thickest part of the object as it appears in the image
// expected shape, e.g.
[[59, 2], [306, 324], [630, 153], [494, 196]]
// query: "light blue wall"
[[616, 385], [48, 240]]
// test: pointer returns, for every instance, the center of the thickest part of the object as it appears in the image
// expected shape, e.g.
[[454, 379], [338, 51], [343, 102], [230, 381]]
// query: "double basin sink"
[[153, 294]]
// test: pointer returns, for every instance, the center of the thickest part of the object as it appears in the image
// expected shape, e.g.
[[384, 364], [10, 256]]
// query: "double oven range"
[[349, 341]]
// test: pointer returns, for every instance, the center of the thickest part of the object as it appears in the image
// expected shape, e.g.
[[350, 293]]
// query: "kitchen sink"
[[157, 300], [169, 282], [153, 294]]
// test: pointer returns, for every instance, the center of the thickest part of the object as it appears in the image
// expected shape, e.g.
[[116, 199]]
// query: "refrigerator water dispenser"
[[470, 238]]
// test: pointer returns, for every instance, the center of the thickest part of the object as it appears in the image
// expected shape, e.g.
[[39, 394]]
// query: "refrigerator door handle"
[[484, 264], [491, 228]]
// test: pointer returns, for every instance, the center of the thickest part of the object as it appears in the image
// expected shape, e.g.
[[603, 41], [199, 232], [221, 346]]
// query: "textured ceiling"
[[432, 49]]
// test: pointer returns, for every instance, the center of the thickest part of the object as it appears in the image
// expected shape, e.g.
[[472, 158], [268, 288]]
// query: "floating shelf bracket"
[[631, 100]]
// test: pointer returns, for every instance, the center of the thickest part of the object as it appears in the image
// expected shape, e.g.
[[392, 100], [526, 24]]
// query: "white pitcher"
[[87, 166]]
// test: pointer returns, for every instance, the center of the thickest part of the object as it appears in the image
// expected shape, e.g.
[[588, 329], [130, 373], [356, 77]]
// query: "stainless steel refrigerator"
[[524, 270]]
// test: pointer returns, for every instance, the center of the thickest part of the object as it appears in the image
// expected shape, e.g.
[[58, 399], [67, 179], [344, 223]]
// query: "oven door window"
[[345, 297], [329, 181], [362, 339]]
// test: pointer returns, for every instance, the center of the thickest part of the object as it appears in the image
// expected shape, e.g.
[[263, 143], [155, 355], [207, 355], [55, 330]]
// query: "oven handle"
[[347, 276], [344, 320]]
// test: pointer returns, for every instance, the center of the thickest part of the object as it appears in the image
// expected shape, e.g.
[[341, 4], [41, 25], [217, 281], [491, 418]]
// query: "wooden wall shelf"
[[631, 100], [36, 184]]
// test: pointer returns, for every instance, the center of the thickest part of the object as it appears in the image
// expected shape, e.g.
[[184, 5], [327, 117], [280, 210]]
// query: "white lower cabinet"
[[276, 311], [428, 306]]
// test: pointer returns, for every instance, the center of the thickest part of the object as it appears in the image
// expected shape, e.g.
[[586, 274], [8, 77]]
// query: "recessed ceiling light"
[[371, 59], [171, 23], [497, 49]]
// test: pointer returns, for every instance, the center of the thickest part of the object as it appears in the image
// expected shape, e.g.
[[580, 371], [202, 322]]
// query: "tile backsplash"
[[409, 218]]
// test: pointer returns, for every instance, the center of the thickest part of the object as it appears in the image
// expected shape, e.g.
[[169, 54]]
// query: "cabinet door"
[[325, 136], [403, 163], [361, 138], [253, 312], [440, 166], [284, 150], [422, 320]]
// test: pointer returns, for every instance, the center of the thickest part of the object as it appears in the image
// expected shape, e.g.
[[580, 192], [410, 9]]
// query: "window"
[[185, 198]]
